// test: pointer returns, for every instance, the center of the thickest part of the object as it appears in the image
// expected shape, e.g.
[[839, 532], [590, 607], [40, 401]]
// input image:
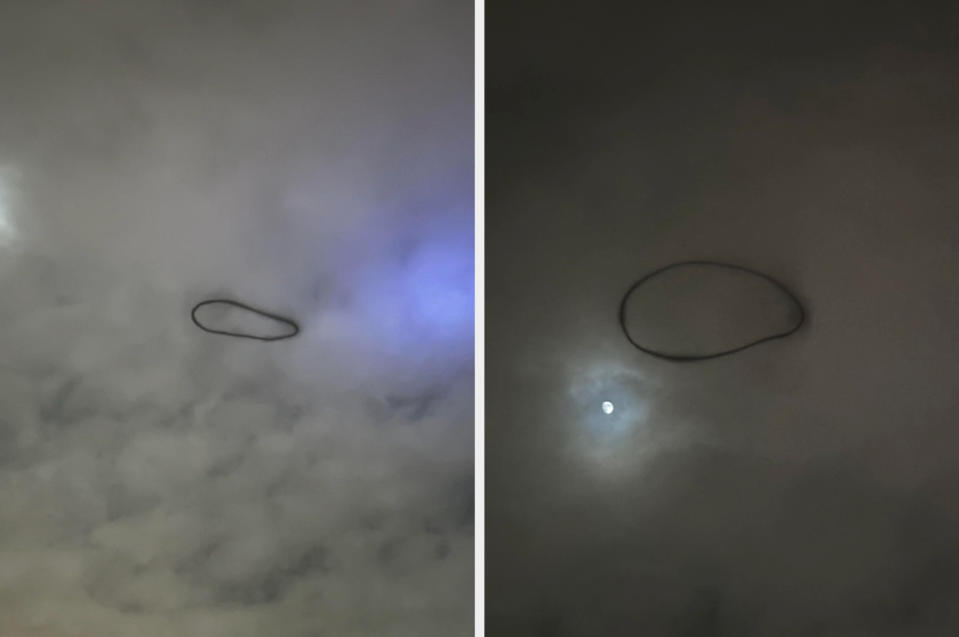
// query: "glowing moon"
[[607, 407]]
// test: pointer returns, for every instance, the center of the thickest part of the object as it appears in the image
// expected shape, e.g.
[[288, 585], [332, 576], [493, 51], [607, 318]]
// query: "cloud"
[[805, 487], [310, 158]]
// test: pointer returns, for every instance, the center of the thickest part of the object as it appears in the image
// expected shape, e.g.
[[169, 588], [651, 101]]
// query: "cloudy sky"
[[310, 158], [807, 486]]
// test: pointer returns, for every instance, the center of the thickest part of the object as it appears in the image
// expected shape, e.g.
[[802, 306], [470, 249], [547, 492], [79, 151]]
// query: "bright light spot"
[[607, 407], [7, 231]]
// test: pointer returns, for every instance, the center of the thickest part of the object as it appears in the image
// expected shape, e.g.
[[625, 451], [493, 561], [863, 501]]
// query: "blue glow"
[[439, 283], [423, 293]]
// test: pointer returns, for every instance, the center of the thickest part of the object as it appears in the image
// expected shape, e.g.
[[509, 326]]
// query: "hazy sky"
[[807, 486], [310, 158]]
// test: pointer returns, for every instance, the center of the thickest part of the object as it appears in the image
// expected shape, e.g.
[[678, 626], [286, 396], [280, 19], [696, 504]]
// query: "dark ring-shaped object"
[[685, 358], [244, 306]]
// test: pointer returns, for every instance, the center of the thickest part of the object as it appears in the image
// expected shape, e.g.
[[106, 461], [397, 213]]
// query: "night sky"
[[806, 486]]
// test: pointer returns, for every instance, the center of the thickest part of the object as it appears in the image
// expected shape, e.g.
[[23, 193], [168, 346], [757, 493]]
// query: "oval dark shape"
[[294, 328], [749, 297]]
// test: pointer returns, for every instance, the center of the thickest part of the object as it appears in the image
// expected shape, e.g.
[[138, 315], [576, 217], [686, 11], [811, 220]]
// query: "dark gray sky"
[[310, 158], [807, 486]]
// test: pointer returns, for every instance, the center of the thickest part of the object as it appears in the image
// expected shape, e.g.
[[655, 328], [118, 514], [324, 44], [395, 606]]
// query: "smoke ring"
[[688, 358], [243, 306]]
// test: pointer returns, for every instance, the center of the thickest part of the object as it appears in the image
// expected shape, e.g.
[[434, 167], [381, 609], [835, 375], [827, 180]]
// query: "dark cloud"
[[804, 487]]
